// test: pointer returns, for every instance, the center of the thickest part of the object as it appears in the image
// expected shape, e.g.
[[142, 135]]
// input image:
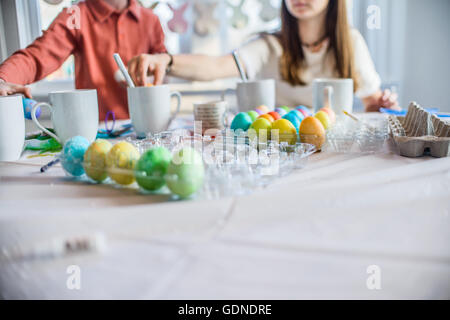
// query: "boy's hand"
[[11, 88], [145, 65]]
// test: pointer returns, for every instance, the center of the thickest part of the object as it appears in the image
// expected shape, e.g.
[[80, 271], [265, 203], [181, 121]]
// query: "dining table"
[[345, 226]]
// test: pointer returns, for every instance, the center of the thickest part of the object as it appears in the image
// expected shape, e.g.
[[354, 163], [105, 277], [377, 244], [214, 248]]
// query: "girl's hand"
[[7, 88], [385, 99], [145, 65]]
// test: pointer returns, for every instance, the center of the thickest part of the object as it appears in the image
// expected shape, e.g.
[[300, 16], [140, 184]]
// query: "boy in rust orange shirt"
[[92, 32]]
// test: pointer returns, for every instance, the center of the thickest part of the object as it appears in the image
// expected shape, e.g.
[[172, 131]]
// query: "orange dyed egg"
[[312, 131], [267, 117], [275, 115]]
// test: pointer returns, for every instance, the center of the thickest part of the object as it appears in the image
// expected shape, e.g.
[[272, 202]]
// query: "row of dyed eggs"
[[183, 173], [289, 123], [243, 120]]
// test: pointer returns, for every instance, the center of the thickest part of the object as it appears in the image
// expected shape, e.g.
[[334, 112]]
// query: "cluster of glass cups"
[[350, 136]]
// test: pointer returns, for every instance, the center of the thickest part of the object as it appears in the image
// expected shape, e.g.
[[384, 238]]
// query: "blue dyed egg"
[[292, 118], [298, 114], [72, 155], [281, 111], [241, 121], [28, 105], [306, 109]]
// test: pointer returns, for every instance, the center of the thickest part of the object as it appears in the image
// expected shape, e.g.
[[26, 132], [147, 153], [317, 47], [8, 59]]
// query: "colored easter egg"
[[121, 160], [149, 85], [306, 109], [286, 131], [72, 155], [263, 108], [259, 126], [267, 117], [185, 172], [253, 114], [293, 119], [330, 113], [281, 111], [312, 131], [323, 118], [152, 167], [285, 108], [241, 121], [28, 105], [298, 114], [275, 115], [305, 114], [95, 160], [259, 111]]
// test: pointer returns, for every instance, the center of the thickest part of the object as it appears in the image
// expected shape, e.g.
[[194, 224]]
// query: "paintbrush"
[[50, 164], [239, 66], [124, 71]]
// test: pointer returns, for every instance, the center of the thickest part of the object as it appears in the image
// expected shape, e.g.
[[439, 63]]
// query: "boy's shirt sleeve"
[[45, 55], [158, 45]]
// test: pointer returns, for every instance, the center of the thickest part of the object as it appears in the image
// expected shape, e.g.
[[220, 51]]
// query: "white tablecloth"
[[312, 234]]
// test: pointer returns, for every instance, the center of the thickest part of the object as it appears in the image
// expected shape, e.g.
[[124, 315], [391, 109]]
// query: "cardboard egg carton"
[[419, 133]]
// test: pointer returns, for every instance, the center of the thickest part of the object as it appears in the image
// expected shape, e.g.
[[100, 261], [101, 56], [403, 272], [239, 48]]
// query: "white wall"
[[426, 59]]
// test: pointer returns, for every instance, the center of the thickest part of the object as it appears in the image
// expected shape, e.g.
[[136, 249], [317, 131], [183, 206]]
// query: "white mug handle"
[[224, 93], [178, 96], [35, 120], [327, 95]]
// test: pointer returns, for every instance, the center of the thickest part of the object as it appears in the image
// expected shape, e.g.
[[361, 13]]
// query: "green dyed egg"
[[286, 108], [253, 115], [185, 173], [152, 167]]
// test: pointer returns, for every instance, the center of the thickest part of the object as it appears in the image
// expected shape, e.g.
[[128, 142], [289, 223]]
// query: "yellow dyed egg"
[[323, 117], [95, 160], [260, 128], [286, 131], [121, 160], [330, 113]]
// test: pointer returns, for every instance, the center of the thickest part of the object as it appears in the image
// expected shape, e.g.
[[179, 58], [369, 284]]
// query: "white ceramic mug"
[[74, 113], [150, 108], [252, 94], [212, 114], [12, 127], [334, 93]]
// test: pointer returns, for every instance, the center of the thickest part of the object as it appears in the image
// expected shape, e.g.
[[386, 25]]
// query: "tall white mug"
[[74, 113], [334, 93], [252, 94], [150, 108], [12, 127]]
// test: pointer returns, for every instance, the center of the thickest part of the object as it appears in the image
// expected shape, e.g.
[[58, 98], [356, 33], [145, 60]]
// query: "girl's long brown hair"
[[292, 61]]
